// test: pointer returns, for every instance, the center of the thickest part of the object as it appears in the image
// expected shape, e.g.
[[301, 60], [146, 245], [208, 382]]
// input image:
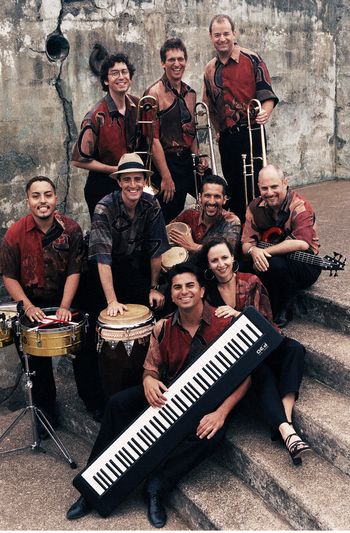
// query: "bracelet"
[[154, 288], [29, 306], [249, 252]]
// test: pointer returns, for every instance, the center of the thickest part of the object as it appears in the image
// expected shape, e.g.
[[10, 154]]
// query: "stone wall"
[[43, 101]]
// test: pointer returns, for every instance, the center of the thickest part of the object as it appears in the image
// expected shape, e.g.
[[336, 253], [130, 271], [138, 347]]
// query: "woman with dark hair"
[[277, 380]]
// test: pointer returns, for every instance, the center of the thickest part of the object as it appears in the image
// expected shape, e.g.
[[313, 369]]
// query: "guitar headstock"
[[335, 263]]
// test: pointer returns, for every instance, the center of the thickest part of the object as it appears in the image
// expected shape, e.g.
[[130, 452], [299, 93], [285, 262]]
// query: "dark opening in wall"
[[57, 47]]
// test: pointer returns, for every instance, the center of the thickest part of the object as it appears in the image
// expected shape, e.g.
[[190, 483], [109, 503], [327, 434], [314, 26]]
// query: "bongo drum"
[[52, 337], [8, 311], [122, 344], [179, 226], [174, 256]]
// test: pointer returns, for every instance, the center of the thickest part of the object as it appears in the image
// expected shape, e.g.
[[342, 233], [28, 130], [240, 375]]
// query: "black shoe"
[[156, 512], [282, 318], [79, 509]]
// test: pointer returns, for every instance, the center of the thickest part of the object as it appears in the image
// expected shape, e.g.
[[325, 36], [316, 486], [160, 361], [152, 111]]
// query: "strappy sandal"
[[296, 448]]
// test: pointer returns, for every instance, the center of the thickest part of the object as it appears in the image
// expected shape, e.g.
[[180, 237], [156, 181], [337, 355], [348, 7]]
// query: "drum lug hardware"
[[99, 345], [38, 338], [128, 346], [86, 322]]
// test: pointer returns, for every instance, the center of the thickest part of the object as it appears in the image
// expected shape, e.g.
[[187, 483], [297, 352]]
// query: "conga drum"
[[179, 226], [8, 312], [174, 256], [52, 337], [122, 345]]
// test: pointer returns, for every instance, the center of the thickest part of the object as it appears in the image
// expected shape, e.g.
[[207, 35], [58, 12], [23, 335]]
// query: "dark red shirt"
[[175, 125], [170, 343], [41, 262], [105, 133], [228, 224], [229, 87]]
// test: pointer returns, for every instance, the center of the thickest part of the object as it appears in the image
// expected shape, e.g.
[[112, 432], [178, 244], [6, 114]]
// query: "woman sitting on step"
[[277, 380]]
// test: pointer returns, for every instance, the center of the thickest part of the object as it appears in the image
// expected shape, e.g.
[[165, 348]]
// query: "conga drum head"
[[174, 256], [51, 337], [135, 323], [179, 226], [7, 315]]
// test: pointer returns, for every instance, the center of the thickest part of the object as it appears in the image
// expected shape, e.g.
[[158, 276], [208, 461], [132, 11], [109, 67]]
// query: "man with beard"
[[211, 219], [40, 262]]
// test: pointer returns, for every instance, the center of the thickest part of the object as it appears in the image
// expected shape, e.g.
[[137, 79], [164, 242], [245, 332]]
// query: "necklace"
[[228, 281]]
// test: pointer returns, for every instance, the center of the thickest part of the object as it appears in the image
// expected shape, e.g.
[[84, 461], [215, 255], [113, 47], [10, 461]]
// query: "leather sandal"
[[296, 448]]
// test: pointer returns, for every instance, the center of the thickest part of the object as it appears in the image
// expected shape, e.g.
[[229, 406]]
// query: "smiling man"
[[291, 222], [212, 219], [174, 140], [108, 130], [176, 340], [232, 78], [40, 258], [127, 240]]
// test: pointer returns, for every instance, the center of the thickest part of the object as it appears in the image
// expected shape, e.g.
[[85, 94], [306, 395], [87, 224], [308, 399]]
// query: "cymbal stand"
[[35, 415]]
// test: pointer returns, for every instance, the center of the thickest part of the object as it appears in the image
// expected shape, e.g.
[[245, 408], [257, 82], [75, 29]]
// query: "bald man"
[[286, 219]]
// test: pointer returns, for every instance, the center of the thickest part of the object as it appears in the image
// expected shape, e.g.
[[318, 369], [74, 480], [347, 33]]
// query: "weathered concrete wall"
[[43, 102]]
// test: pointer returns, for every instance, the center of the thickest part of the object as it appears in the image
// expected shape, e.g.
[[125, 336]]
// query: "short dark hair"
[[108, 63], [175, 43], [183, 268], [201, 258], [221, 18], [39, 178], [215, 179]]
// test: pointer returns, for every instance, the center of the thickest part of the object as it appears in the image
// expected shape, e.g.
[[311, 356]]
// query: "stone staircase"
[[251, 483]]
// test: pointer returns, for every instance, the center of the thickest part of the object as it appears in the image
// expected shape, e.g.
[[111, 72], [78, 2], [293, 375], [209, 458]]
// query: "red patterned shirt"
[[230, 86]]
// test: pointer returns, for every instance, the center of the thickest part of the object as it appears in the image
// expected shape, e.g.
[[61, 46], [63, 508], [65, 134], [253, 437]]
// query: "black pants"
[[284, 278], [281, 373], [181, 169], [122, 409], [97, 186], [231, 146]]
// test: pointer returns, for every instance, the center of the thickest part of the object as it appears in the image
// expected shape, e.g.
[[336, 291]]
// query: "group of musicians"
[[42, 254]]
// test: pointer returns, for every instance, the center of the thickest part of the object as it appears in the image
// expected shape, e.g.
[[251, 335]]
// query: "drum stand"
[[35, 415]]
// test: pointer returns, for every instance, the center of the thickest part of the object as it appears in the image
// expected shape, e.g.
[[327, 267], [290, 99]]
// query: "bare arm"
[[264, 115], [106, 277], [167, 186], [156, 298], [70, 288], [95, 166], [212, 422], [16, 292]]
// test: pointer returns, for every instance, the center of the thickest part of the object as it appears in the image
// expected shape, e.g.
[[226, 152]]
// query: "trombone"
[[202, 124], [253, 107], [147, 104]]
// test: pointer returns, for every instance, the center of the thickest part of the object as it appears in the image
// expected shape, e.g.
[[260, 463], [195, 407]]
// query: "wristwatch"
[[154, 287]]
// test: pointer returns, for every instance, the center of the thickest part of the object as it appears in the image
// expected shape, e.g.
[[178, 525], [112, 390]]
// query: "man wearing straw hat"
[[127, 240], [40, 258]]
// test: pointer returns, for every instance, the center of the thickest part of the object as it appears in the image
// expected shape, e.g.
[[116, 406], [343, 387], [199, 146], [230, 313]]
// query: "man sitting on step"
[[286, 220], [175, 342]]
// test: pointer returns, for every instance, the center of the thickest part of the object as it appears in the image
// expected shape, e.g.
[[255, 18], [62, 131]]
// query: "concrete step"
[[312, 305], [322, 415], [315, 495], [327, 353], [211, 497]]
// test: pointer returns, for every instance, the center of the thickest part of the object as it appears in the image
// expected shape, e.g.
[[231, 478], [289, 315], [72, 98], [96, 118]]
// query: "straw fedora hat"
[[131, 163]]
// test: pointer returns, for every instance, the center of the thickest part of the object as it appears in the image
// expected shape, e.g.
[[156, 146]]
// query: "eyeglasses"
[[118, 73]]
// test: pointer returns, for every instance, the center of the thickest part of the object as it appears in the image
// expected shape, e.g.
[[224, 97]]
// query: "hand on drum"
[[156, 299], [115, 307], [153, 389], [64, 314], [35, 313], [226, 311], [183, 239]]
